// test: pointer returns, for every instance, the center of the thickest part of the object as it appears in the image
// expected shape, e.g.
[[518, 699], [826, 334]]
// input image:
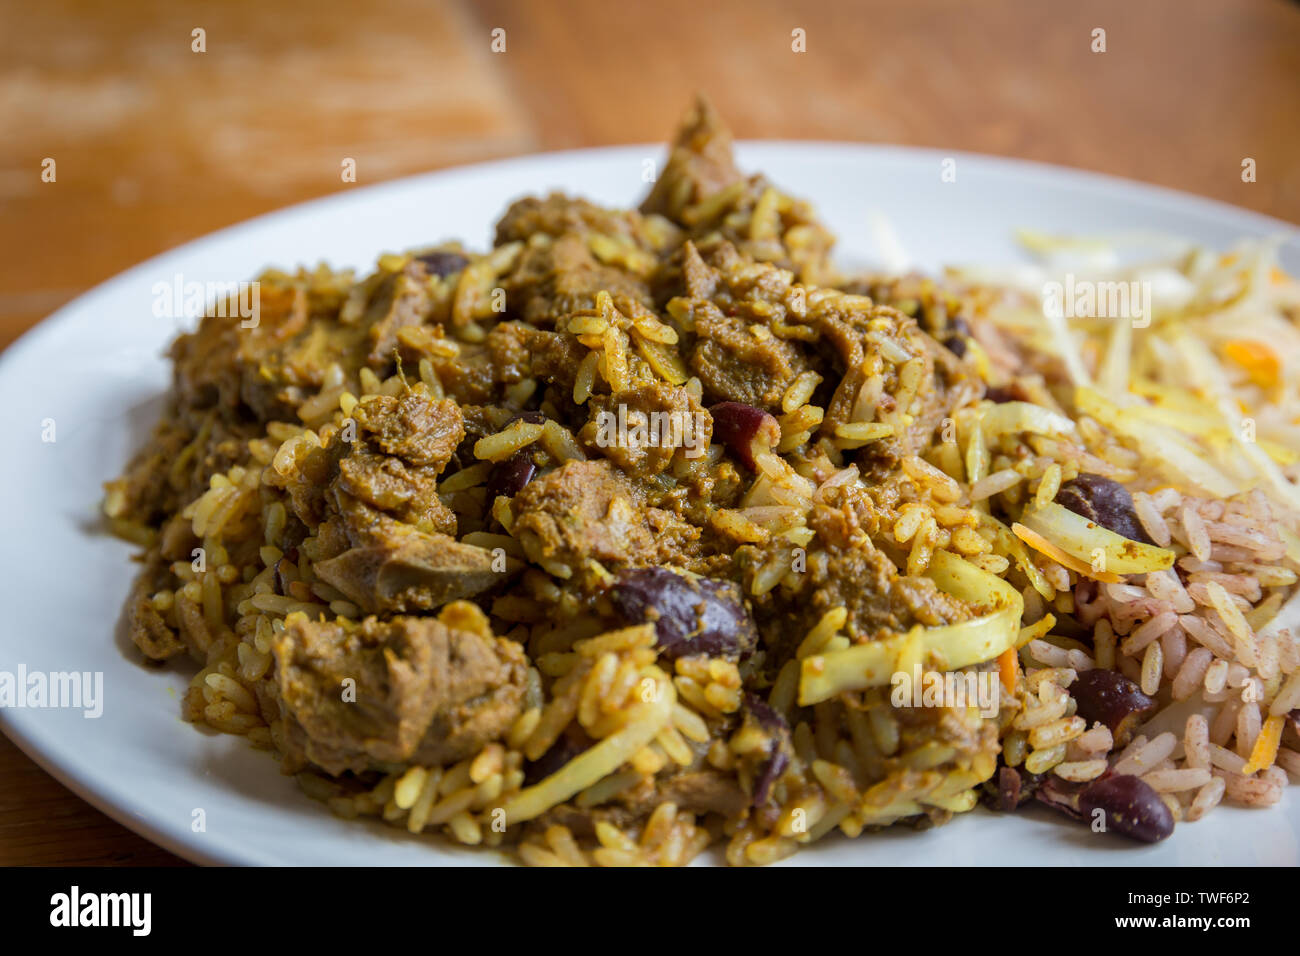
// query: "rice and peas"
[[882, 491]]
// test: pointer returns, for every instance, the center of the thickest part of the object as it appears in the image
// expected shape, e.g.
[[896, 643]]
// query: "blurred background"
[[155, 144]]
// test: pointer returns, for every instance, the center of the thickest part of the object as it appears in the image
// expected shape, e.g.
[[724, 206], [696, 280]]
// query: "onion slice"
[[1083, 540], [1014, 418]]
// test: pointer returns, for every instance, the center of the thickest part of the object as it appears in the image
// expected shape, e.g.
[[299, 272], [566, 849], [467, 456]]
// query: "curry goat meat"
[[393, 529]]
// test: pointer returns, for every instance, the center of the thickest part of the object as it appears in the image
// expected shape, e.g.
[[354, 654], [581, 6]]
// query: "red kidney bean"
[[443, 263], [744, 429], [1112, 699], [508, 477], [778, 730], [1104, 501], [1008, 789], [691, 615], [1129, 806]]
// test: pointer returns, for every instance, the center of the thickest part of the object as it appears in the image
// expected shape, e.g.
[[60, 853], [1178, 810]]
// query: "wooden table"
[[154, 144]]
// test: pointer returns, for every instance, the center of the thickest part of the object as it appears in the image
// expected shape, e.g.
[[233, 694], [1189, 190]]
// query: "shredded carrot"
[[1008, 669], [1264, 753], [1260, 362], [1043, 546]]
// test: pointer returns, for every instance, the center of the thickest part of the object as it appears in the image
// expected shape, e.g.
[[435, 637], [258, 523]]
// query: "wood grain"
[[156, 144]]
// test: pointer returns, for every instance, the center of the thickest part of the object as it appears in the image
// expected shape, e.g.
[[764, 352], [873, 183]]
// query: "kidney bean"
[[1006, 393], [778, 759], [1008, 789], [1113, 699], [691, 615], [443, 263], [744, 430], [1104, 501], [508, 477], [956, 337], [1129, 806]]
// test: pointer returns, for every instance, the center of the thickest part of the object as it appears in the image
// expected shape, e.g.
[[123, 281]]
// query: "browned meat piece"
[[557, 214], [879, 601], [417, 689], [266, 371], [149, 632], [662, 421], [589, 510], [563, 276], [388, 484], [584, 509], [401, 446], [470, 376], [739, 362], [407, 570], [945, 382], [420, 431], [555, 357], [864, 580], [175, 467], [508, 346], [402, 299], [700, 164], [848, 571]]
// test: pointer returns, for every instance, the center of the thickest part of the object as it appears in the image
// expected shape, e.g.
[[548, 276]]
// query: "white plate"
[[95, 369]]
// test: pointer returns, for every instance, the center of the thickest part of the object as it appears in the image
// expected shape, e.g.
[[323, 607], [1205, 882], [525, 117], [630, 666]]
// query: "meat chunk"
[[641, 429], [356, 697], [556, 357], [563, 276], [856, 341], [386, 466], [847, 571], [587, 510], [401, 299], [407, 570], [700, 164], [557, 215], [413, 427], [740, 362], [880, 602], [149, 632], [584, 509]]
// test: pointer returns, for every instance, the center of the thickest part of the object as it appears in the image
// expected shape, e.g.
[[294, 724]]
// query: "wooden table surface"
[[154, 144]]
